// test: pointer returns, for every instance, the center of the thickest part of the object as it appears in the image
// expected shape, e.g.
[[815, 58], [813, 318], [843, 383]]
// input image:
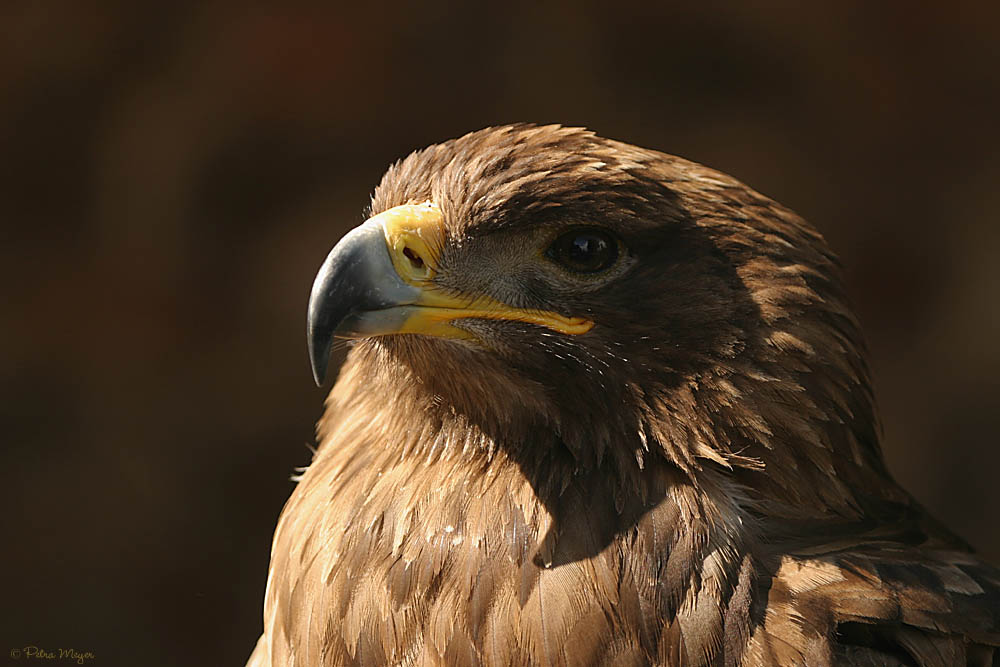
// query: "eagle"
[[601, 406]]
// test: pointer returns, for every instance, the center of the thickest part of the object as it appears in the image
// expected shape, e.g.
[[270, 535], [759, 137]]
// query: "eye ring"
[[585, 250]]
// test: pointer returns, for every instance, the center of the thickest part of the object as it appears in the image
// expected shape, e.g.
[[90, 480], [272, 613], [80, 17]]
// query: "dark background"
[[171, 178]]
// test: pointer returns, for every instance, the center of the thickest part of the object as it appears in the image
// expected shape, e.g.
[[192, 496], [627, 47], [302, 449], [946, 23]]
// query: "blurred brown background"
[[171, 177]]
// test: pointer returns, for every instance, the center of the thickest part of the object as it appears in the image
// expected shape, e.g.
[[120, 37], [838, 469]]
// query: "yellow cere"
[[415, 234]]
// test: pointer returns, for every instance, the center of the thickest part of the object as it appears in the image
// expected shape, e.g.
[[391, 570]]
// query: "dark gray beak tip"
[[323, 314], [319, 328], [319, 336], [319, 358]]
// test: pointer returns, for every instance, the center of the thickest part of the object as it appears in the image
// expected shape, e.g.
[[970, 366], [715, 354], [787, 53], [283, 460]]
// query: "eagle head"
[[631, 304]]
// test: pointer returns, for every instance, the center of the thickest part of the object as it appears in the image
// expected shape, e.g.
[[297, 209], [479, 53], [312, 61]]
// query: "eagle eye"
[[587, 250]]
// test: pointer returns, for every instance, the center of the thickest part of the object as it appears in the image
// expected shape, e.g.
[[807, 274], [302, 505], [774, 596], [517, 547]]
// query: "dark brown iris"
[[586, 250]]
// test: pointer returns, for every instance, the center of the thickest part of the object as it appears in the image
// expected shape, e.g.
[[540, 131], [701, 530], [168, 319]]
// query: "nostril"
[[416, 260]]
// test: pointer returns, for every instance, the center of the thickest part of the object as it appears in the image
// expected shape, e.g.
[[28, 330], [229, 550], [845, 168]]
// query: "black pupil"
[[585, 251]]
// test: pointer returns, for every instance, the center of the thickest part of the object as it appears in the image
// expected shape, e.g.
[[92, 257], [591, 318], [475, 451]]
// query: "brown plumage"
[[695, 480]]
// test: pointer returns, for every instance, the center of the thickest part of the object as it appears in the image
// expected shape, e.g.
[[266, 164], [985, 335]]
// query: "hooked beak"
[[379, 280]]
